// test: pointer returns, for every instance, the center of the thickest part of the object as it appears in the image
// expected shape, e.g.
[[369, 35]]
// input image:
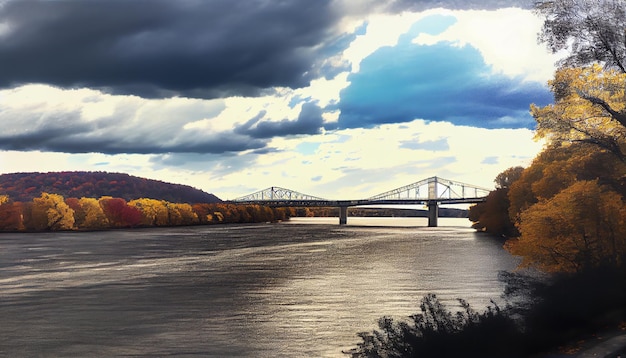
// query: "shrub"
[[439, 332]]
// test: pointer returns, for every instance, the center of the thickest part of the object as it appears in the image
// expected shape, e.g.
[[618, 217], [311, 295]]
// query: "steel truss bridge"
[[430, 192]]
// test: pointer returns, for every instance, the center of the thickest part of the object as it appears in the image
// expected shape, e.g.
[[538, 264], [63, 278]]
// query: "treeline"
[[25, 187], [52, 212]]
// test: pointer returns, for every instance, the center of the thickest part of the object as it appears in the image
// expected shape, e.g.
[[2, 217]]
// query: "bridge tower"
[[343, 215], [433, 205]]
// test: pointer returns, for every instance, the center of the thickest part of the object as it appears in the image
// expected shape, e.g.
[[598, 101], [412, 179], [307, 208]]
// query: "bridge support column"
[[343, 215], [433, 213]]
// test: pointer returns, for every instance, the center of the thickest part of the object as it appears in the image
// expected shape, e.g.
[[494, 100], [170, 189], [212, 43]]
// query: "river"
[[267, 290]]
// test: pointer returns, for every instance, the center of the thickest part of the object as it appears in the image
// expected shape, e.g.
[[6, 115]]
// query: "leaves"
[[589, 107], [592, 31], [582, 226], [50, 212]]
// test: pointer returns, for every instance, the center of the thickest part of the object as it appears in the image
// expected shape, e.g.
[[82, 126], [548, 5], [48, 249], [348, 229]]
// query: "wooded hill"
[[26, 186]]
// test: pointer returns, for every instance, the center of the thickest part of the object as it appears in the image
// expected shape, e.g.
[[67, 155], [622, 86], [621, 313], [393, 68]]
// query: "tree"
[[492, 216], [558, 167], [155, 212], [10, 215], [591, 31], [507, 177], [581, 227], [94, 215], [590, 107], [50, 212], [79, 213], [119, 213], [181, 214]]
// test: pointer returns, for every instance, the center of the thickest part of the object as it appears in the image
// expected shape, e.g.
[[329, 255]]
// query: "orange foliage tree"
[[582, 226], [10, 215]]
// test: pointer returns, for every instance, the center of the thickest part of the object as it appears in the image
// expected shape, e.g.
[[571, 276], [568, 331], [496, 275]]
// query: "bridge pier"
[[343, 215], [433, 213]]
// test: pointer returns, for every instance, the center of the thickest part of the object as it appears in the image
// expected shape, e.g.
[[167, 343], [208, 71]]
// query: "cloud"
[[309, 121], [163, 48], [347, 164], [440, 82], [430, 145], [421, 5], [506, 39], [61, 121]]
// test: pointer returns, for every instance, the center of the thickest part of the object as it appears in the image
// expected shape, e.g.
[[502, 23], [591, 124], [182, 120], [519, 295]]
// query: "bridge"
[[430, 192]]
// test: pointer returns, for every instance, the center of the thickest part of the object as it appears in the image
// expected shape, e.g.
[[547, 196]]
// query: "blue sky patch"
[[440, 82]]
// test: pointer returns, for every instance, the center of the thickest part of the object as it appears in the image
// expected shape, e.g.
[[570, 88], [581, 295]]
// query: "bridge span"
[[430, 192]]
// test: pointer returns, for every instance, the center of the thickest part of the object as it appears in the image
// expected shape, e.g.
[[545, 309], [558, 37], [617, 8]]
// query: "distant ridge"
[[26, 186]]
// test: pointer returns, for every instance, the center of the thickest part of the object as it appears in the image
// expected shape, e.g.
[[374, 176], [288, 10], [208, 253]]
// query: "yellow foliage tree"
[[50, 212], [580, 227], [155, 212], [590, 106], [182, 214], [94, 215]]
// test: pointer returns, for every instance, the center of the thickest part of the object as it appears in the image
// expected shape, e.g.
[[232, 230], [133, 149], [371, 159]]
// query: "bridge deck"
[[431, 192]]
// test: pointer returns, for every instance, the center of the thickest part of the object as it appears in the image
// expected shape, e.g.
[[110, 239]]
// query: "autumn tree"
[[79, 213], [581, 227], [592, 31], [50, 212], [492, 216], [558, 167], [94, 215], [10, 215], [119, 213], [590, 107], [181, 214], [505, 179], [154, 212]]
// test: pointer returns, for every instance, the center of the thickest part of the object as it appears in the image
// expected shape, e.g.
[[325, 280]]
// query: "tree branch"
[[621, 118]]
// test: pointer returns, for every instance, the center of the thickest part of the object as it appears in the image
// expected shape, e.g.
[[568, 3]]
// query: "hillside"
[[26, 186]]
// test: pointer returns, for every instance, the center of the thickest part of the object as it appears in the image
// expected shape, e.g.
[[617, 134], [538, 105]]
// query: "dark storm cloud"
[[165, 48], [309, 121], [81, 142], [162, 48], [133, 127]]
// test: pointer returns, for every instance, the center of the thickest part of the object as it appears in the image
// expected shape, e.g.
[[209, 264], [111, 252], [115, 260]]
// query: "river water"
[[268, 290]]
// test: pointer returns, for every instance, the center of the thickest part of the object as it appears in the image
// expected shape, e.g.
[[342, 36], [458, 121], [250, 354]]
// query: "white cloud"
[[506, 38], [357, 163]]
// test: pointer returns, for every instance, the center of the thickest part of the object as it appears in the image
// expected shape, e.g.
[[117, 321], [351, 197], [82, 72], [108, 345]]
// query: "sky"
[[340, 99]]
